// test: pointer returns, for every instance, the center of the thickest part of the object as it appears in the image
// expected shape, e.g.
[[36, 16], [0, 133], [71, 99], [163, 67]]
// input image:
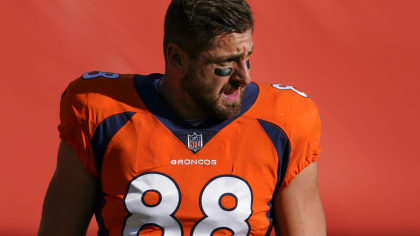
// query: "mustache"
[[231, 85]]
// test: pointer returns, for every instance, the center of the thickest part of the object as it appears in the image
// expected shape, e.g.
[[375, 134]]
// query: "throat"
[[179, 101]]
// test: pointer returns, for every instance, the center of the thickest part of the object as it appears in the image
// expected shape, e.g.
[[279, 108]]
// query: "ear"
[[177, 58]]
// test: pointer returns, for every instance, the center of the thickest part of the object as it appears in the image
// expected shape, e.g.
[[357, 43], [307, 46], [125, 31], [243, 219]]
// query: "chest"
[[158, 176]]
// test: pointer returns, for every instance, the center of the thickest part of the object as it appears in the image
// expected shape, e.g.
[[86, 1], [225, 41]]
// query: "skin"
[[298, 209], [193, 89], [195, 92], [70, 199]]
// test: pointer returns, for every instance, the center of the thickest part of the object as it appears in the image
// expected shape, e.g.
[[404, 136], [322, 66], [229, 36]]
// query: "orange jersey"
[[161, 175]]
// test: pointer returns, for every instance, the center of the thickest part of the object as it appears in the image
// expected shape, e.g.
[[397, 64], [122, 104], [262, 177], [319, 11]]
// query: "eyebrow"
[[234, 57]]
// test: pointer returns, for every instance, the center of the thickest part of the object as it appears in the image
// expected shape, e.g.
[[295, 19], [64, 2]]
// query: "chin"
[[225, 111]]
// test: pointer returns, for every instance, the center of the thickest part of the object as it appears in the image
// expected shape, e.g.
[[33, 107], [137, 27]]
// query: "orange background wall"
[[359, 60]]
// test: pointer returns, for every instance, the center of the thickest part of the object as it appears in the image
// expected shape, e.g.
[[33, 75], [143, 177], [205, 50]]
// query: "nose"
[[242, 73]]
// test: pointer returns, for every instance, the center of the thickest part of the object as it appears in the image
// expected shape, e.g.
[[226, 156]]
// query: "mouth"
[[231, 95]]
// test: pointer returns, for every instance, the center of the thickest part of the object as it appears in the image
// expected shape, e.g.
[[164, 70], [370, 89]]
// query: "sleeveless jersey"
[[160, 175]]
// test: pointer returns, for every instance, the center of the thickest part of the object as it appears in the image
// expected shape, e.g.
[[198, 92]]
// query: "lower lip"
[[233, 96]]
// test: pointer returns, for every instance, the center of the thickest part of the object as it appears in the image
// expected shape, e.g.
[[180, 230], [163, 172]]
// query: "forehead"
[[231, 44]]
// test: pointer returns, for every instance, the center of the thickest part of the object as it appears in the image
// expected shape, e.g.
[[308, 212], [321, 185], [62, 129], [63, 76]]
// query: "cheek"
[[220, 84], [210, 83], [214, 85]]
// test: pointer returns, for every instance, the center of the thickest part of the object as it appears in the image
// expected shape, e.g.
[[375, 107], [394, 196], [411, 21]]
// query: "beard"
[[202, 91]]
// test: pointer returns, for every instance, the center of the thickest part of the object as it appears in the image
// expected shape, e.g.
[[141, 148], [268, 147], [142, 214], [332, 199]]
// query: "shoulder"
[[96, 88], [285, 106], [97, 81], [97, 95], [297, 116]]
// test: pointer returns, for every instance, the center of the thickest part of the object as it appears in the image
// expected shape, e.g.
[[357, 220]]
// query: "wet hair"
[[193, 24]]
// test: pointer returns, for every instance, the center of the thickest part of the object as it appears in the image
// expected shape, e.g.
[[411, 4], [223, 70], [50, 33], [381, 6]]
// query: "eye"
[[224, 63], [227, 62]]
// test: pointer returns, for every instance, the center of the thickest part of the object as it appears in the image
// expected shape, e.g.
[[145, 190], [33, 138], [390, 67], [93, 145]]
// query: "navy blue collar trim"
[[156, 105]]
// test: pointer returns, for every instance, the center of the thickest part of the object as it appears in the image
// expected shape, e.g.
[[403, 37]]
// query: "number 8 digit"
[[159, 214], [96, 74], [234, 219], [285, 87]]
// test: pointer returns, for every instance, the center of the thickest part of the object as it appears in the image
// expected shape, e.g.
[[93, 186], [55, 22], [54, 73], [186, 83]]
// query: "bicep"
[[298, 208], [70, 199]]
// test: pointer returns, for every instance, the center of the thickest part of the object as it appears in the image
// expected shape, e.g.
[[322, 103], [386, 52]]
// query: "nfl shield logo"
[[195, 141]]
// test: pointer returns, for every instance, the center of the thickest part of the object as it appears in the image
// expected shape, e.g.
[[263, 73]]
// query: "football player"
[[198, 150]]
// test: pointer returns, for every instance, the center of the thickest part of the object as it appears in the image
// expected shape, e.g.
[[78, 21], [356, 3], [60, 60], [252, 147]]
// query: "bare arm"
[[70, 199], [298, 208]]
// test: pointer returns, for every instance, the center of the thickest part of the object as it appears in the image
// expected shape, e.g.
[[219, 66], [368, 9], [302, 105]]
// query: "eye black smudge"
[[223, 72], [248, 64]]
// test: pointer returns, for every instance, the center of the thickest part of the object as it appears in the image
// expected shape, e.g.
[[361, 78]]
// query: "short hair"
[[193, 24]]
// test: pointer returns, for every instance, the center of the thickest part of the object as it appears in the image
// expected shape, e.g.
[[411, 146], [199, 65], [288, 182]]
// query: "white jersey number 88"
[[162, 213]]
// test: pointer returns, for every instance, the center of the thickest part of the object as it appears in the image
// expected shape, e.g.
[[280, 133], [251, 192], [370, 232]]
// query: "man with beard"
[[200, 150]]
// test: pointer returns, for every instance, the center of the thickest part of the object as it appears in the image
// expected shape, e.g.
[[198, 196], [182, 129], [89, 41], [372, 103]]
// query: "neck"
[[179, 100]]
